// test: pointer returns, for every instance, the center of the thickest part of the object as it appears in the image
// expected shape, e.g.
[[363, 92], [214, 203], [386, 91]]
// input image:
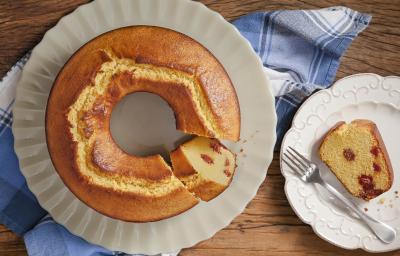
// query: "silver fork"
[[309, 172]]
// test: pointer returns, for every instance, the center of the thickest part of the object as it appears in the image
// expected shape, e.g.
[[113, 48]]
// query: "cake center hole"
[[143, 124]]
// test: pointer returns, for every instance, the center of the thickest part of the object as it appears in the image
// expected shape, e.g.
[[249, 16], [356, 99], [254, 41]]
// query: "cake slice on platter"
[[204, 166]]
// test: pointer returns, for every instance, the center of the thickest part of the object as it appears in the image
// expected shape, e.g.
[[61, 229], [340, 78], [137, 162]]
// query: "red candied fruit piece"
[[216, 147], [227, 162], [366, 181], [207, 159], [369, 191], [227, 173], [349, 154], [374, 150], [377, 167]]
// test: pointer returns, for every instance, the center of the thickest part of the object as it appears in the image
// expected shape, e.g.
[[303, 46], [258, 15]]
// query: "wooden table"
[[268, 226]]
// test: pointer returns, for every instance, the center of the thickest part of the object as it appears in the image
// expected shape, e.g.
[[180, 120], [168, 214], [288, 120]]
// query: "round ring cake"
[[140, 59]]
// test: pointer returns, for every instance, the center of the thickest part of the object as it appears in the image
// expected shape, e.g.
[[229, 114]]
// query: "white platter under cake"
[[361, 96], [258, 120]]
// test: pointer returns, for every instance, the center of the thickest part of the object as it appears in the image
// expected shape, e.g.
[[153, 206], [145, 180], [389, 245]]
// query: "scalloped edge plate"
[[257, 110], [368, 96]]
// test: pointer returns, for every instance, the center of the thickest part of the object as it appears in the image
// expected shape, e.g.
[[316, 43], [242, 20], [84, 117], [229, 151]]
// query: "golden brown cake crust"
[[158, 47], [208, 190], [371, 126]]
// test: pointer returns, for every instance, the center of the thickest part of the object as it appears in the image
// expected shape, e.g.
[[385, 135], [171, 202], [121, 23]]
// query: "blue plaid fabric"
[[301, 52], [6, 117]]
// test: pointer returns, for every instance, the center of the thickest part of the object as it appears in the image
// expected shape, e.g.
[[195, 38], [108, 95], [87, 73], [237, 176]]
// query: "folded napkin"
[[300, 51]]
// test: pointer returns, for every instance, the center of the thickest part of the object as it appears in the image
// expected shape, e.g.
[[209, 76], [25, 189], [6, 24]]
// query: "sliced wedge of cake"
[[356, 154], [205, 166]]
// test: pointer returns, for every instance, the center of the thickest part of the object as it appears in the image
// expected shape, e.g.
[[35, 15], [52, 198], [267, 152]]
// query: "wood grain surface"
[[268, 226]]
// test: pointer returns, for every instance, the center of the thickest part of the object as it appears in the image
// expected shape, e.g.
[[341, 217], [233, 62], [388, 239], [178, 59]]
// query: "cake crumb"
[[254, 134], [241, 150], [381, 201], [396, 192], [366, 209]]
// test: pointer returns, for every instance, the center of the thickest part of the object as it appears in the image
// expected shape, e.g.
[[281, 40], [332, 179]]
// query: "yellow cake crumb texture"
[[353, 154]]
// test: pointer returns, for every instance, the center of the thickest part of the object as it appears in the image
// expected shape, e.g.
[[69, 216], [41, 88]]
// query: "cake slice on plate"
[[356, 154], [205, 166]]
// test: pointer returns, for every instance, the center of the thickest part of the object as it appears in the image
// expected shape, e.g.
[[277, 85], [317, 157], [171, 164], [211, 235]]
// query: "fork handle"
[[383, 231]]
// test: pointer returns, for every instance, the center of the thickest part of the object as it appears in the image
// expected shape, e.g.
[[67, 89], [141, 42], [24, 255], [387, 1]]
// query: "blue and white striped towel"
[[301, 53]]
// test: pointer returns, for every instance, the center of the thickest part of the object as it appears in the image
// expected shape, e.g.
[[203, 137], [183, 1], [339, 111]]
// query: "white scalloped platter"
[[258, 123], [361, 96]]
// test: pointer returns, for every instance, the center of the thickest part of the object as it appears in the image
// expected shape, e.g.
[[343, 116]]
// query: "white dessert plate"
[[149, 131], [361, 96]]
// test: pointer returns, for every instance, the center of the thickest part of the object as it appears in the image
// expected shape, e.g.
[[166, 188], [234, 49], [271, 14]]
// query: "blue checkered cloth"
[[301, 53]]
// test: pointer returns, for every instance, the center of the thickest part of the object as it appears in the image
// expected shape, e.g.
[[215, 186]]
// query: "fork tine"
[[300, 161], [294, 164], [292, 167], [300, 155]]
